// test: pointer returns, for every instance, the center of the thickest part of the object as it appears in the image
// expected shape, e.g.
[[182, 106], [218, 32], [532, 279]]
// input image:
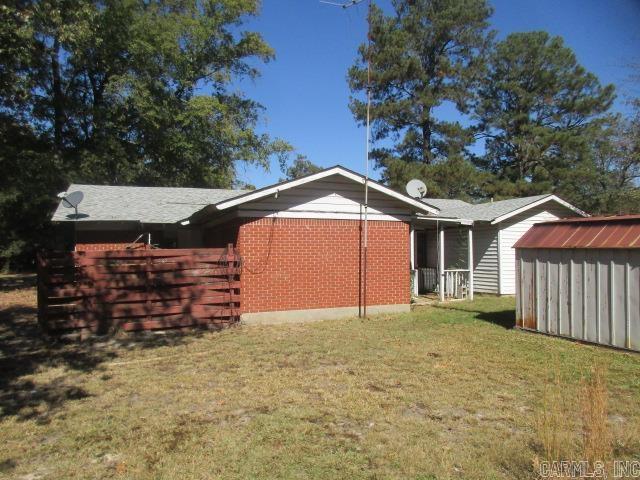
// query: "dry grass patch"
[[438, 393], [596, 431], [554, 423]]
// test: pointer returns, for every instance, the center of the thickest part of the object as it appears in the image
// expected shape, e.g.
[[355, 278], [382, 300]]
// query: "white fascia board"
[[305, 215], [321, 215], [265, 192], [461, 221], [537, 203]]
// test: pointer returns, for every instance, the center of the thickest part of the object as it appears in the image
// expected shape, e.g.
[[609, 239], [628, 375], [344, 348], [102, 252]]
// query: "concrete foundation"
[[318, 314]]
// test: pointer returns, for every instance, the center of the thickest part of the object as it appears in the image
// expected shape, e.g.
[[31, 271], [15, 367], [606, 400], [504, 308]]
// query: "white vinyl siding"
[[331, 198], [514, 228], [485, 257]]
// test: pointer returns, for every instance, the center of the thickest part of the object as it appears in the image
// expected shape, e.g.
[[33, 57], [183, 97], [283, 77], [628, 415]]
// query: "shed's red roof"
[[592, 232]]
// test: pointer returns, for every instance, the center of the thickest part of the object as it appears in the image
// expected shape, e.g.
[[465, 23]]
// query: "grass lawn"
[[443, 392]]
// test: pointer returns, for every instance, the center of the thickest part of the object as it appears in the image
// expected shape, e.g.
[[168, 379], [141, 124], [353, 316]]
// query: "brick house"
[[301, 241]]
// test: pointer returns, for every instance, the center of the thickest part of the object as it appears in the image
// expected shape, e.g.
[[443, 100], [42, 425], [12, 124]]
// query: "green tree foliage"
[[300, 167], [429, 54], [545, 120], [454, 178], [122, 92], [614, 187], [539, 110]]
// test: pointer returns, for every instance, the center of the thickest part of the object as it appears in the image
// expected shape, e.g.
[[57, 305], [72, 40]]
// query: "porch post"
[[441, 262], [470, 261], [412, 259]]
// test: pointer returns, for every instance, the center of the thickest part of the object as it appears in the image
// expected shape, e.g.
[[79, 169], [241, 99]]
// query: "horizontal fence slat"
[[115, 310], [143, 310], [124, 268], [157, 281], [129, 279], [126, 294], [206, 297], [94, 274], [158, 253], [159, 321], [208, 259], [173, 322]]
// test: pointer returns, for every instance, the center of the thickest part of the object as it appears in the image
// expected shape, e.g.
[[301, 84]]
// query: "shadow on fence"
[[105, 291]]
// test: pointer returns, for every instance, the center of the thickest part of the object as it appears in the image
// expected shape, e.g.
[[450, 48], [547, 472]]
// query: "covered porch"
[[442, 258]]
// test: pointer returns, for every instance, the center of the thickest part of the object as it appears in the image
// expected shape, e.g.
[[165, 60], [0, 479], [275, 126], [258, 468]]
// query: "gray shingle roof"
[[172, 204], [483, 212], [143, 204], [446, 203]]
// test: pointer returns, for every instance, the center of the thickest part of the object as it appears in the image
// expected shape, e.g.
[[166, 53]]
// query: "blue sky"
[[304, 89]]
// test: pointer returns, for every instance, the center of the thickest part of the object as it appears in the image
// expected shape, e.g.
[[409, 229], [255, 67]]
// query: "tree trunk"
[[427, 155], [58, 97]]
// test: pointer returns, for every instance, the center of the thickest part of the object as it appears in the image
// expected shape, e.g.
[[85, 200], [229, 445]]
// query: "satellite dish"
[[416, 188], [72, 200]]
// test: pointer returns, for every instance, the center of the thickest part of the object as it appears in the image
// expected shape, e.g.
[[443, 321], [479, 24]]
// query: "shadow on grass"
[[25, 350], [17, 281], [503, 318]]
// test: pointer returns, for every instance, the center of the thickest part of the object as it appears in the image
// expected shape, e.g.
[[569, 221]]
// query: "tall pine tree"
[[428, 54], [539, 111]]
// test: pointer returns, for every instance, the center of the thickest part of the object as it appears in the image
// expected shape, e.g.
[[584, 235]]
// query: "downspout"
[[499, 261]]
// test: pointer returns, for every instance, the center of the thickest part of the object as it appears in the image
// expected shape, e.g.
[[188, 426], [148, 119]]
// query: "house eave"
[[537, 203], [337, 170], [456, 220]]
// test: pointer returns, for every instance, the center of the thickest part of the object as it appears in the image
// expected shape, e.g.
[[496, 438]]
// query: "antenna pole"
[[366, 169], [365, 242]]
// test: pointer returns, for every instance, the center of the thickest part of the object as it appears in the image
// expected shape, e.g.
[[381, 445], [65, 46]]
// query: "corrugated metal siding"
[[586, 294], [512, 230], [485, 257]]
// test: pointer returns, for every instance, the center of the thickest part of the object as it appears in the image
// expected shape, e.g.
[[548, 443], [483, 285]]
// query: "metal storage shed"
[[580, 278]]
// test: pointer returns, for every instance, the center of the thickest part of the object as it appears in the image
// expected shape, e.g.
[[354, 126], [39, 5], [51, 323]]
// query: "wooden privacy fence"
[[104, 291]]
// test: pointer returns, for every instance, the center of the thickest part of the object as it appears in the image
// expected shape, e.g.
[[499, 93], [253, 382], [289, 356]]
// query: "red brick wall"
[[294, 264]]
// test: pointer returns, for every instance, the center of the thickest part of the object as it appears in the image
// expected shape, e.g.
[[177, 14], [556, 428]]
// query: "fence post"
[[42, 299], [230, 259], [147, 282]]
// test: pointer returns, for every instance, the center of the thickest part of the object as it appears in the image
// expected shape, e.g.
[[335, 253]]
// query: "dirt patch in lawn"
[[438, 393]]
